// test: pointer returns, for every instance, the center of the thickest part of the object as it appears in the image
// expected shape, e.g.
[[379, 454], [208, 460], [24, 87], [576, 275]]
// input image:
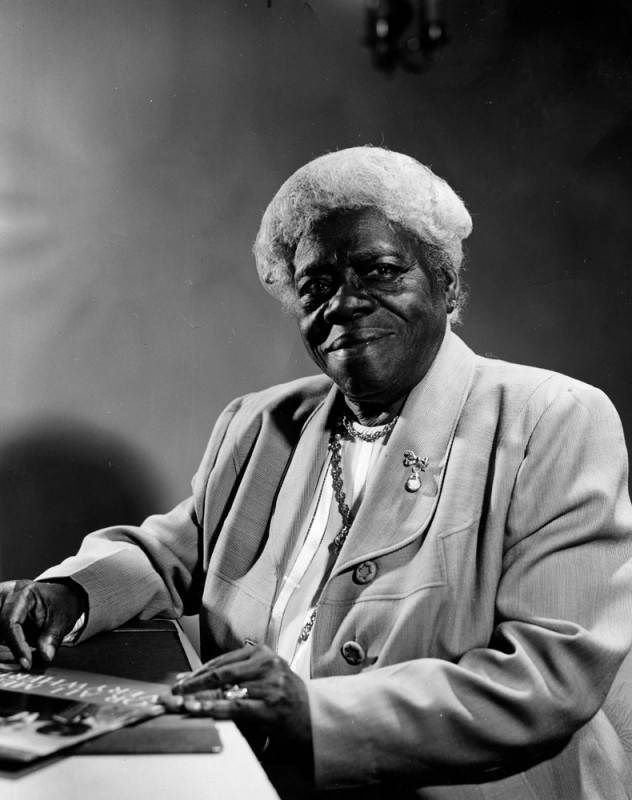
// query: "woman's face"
[[370, 311]]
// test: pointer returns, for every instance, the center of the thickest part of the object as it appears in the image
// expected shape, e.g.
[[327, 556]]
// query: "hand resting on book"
[[38, 613], [252, 686]]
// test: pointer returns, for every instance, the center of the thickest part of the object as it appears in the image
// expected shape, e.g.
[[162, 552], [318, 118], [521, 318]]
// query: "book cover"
[[41, 713]]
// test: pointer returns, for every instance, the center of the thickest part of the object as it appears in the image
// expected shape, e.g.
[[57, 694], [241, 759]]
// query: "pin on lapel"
[[417, 465]]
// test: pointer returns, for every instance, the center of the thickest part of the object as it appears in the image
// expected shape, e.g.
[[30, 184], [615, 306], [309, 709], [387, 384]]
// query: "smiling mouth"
[[349, 341]]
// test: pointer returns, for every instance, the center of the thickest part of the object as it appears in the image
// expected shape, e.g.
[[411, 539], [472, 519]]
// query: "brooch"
[[417, 465]]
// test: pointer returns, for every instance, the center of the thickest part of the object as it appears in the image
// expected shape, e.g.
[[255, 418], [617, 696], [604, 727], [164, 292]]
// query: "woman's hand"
[[38, 612], [252, 685]]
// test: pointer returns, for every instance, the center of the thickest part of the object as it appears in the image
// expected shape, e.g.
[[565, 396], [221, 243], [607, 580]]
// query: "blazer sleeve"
[[151, 569], [563, 627]]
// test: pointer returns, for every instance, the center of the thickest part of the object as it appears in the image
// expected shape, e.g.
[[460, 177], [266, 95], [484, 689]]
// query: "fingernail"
[[171, 703], [48, 651], [191, 704], [25, 662]]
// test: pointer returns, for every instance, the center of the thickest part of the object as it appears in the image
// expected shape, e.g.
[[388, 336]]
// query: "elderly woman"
[[410, 570]]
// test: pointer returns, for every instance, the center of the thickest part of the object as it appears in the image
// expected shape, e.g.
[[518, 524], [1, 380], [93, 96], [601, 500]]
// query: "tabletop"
[[151, 651]]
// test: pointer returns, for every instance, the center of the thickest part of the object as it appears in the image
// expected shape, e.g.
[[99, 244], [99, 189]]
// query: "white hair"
[[405, 191]]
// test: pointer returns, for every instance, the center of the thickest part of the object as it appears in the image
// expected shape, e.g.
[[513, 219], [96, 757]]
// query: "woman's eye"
[[382, 272], [314, 289]]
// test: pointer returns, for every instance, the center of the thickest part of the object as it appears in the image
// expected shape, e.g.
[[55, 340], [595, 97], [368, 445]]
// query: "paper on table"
[[41, 713]]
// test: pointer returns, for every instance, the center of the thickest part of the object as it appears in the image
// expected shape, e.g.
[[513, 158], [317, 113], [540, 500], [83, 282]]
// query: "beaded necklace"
[[344, 427]]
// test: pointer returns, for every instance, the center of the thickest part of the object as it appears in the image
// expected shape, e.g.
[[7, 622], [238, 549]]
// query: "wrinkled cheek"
[[313, 337]]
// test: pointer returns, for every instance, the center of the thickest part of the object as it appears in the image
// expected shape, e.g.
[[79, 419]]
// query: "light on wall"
[[406, 33]]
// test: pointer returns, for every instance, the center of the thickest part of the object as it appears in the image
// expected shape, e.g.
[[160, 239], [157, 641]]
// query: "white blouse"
[[311, 562]]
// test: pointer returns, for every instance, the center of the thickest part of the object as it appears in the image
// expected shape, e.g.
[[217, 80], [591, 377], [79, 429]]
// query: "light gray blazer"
[[501, 605]]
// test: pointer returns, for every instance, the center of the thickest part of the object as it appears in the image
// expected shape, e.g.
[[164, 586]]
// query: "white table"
[[233, 774]]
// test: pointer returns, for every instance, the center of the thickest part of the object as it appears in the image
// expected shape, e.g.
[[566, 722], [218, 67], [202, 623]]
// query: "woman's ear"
[[451, 288]]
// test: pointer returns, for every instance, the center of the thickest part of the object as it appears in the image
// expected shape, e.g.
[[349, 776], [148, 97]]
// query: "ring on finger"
[[235, 692]]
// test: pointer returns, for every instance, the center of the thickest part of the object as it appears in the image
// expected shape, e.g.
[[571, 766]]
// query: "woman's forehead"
[[364, 231]]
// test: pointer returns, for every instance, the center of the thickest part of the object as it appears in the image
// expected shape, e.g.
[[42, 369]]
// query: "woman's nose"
[[350, 300]]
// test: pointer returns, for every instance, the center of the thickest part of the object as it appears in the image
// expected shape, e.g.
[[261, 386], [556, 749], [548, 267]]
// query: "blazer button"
[[353, 653], [365, 572]]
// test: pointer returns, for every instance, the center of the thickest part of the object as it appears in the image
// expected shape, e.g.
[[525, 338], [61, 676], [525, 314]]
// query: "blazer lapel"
[[300, 480], [390, 516]]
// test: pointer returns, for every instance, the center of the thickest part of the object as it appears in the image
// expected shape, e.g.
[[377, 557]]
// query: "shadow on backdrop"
[[60, 480]]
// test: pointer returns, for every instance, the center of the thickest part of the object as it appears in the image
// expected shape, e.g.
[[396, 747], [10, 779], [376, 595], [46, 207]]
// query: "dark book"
[[140, 654]]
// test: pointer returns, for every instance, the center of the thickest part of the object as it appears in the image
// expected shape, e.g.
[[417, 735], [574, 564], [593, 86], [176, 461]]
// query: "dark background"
[[141, 141]]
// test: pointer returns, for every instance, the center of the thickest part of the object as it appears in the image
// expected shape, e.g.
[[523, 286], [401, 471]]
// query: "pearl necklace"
[[354, 433]]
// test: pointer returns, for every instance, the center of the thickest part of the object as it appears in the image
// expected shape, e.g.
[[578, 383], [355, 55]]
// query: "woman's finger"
[[172, 703], [204, 676], [231, 657], [15, 613], [246, 663], [240, 710], [220, 677]]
